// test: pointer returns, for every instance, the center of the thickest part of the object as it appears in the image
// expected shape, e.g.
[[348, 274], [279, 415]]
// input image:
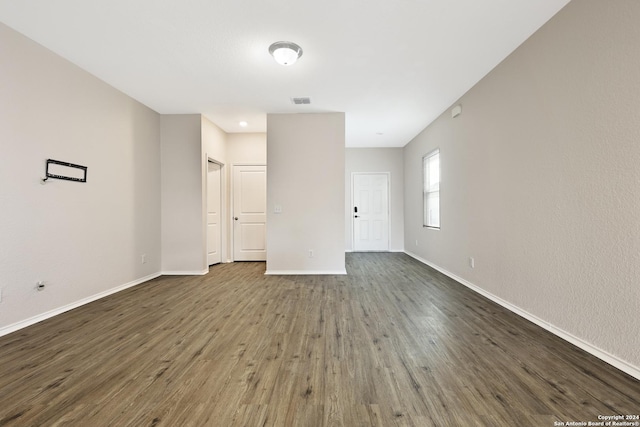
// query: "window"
[[431, 189]]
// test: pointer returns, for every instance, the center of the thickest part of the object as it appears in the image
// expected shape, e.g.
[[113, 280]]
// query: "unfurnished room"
[[340, 213]]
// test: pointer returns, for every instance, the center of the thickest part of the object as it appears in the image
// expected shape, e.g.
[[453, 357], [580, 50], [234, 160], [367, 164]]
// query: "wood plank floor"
[[394, 343]]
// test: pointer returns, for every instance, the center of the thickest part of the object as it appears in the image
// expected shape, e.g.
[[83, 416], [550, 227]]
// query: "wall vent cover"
[[301, 101]]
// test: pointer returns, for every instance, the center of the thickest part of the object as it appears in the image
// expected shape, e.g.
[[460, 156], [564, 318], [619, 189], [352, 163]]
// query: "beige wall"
[[84, 240], [305, 176], [541, 180], [183, 195], [378, 160], [247, 148], [214, 141]]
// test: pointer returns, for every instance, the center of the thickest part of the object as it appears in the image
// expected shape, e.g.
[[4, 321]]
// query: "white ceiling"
[[392, 66]]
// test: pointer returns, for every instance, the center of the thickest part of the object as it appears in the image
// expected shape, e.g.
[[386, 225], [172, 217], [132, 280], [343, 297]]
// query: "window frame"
[[429, 189]]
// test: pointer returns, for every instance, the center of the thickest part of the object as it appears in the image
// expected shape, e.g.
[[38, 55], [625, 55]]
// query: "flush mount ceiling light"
[[285, 53], [243, 124]]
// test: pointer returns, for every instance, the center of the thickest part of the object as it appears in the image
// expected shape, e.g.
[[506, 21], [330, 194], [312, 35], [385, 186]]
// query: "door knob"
[[236, 218], [356, 216]]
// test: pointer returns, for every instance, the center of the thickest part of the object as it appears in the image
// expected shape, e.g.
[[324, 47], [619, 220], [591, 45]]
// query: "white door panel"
[[252, 200], [249, 213], [253, 237], [370, 211], [214, 240], [377, 232]]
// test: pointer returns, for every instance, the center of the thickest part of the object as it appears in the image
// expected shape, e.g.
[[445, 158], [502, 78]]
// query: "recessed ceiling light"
[[243, 124], [379, 133], [285, 53]]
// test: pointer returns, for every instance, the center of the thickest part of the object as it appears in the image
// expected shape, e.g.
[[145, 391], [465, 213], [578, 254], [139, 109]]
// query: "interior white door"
[[249, 213], [370, 211], [214, 240]]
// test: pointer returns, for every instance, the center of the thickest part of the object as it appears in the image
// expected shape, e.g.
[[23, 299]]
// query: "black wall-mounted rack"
[[67, 178]]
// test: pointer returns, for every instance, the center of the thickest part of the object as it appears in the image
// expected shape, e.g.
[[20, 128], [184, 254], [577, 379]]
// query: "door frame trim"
[[353, 228]]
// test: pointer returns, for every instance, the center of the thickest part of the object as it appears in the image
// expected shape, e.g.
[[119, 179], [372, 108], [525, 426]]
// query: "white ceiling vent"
[[300, 101]]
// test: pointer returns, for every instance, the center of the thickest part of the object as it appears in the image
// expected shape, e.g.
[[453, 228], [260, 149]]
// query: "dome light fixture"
[[285, 53]]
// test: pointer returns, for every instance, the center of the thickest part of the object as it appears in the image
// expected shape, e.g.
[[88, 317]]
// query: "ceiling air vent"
[[301, 101]]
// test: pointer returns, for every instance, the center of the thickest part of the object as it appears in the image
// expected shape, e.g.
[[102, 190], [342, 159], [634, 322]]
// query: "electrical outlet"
[[310, 253], [143, 258], [472, 262]]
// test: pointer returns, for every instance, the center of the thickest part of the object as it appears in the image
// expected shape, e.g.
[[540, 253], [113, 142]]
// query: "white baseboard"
[[305, 272], [589, 348], [386, 250], [40, 317], [185, 273]]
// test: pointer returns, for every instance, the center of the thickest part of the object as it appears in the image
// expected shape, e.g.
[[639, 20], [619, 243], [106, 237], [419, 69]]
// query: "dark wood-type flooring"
[[394, 343]]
